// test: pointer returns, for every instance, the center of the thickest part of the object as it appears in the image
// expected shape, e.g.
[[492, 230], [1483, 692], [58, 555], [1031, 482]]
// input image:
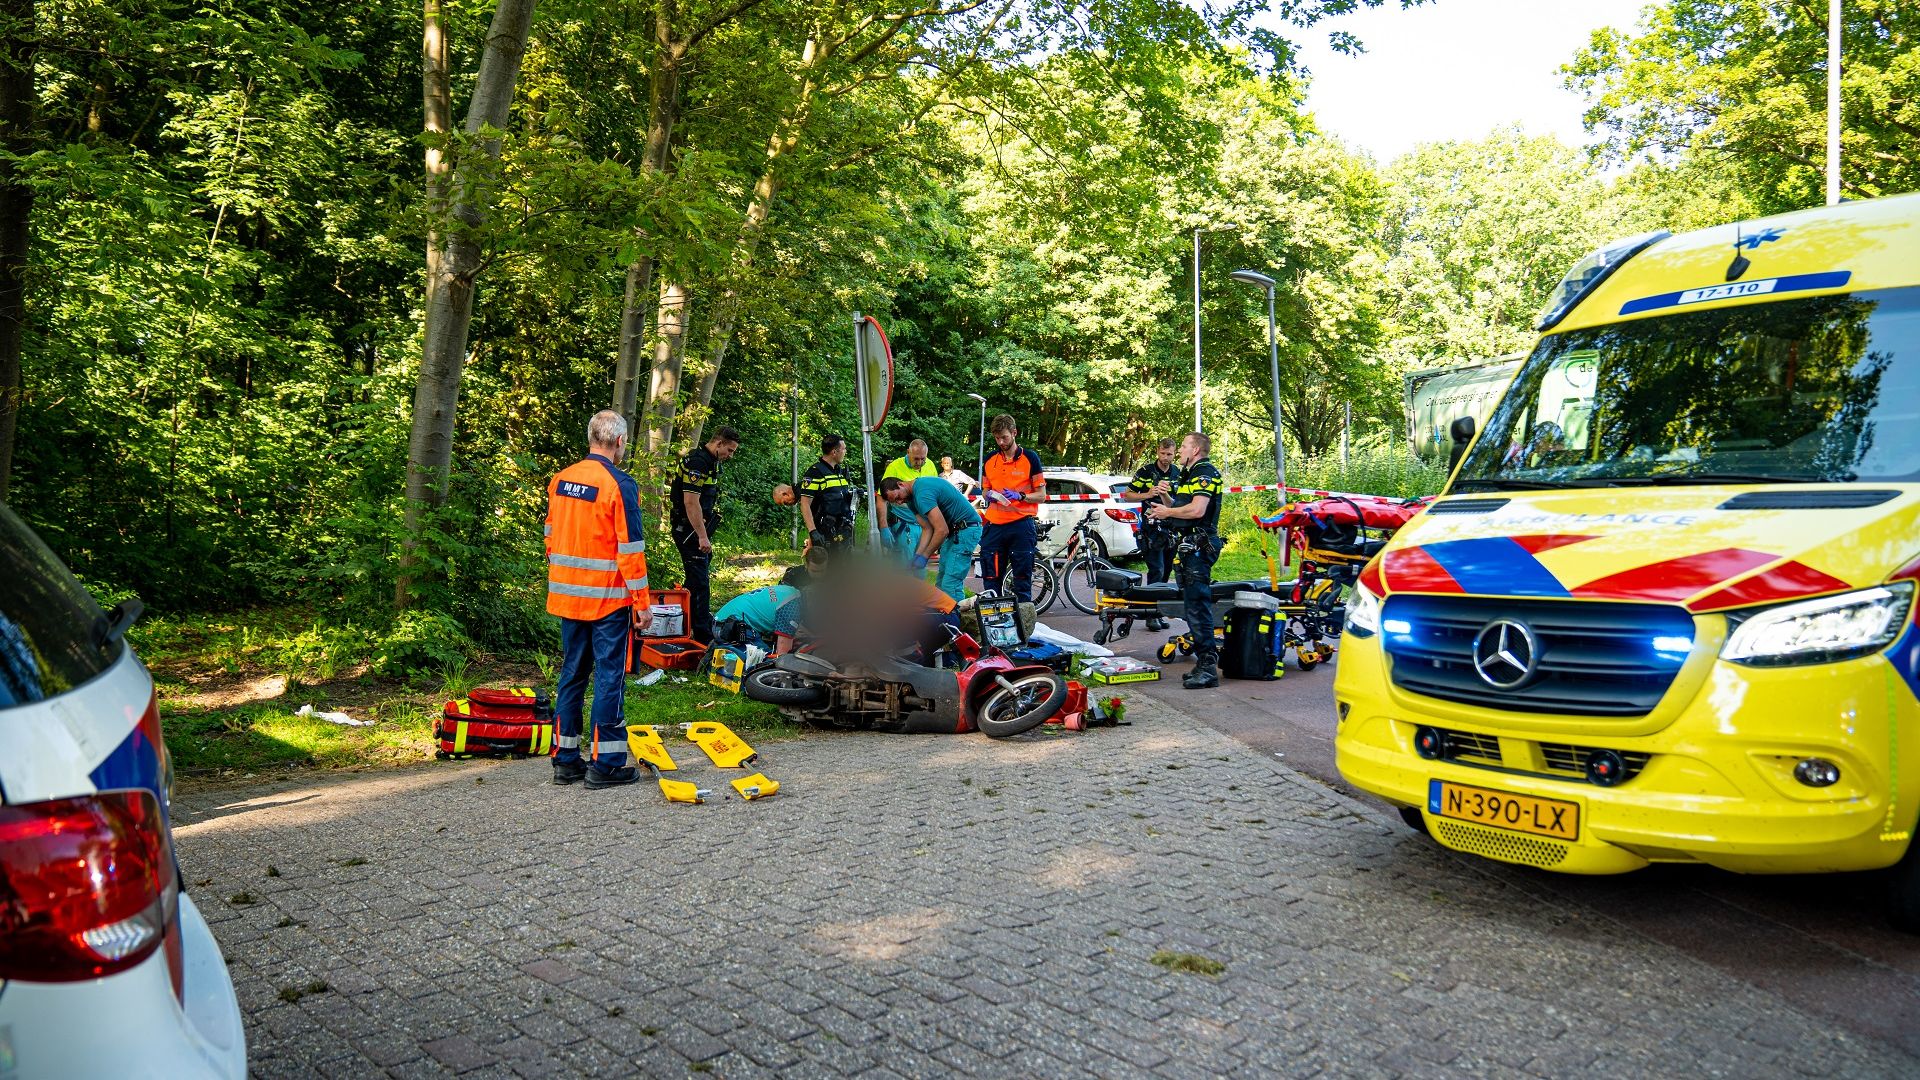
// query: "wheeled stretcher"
[[1123, 596]]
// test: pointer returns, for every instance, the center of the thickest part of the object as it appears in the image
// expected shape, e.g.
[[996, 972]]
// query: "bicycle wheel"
[[1046, 587], [1079, 583]]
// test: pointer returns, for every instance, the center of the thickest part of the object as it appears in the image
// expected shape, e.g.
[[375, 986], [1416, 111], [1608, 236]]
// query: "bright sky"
[[1453, 70]]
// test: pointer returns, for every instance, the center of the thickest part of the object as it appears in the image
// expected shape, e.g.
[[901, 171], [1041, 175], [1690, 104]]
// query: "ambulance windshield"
[[1825, 389]]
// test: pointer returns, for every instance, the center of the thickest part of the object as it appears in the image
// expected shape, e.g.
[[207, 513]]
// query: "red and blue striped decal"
[[1488, 566], [1675, 579], [135, 763]]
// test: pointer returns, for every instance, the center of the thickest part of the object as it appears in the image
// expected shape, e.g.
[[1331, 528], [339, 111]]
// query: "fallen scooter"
[[988, 692]]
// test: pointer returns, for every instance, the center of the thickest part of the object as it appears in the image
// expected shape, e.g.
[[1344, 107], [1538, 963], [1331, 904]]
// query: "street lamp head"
[[978, 398], [1253, 277]]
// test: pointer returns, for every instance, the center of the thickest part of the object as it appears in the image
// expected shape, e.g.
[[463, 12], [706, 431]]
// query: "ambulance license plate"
[[1504, 810]]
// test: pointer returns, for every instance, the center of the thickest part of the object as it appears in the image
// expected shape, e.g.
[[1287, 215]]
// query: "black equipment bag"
[[1256, 645]]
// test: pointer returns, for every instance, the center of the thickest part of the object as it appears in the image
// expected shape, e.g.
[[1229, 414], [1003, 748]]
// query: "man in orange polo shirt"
[[1014, 489], [597, 585]]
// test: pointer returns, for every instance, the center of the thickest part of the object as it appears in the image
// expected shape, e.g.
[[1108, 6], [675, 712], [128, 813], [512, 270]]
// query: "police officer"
[[597, 585], [1154, 482], [690, 502], [1195, 518], [826, 497]]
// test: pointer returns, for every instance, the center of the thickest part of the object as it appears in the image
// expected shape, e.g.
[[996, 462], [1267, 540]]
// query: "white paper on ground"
[[332, 717]]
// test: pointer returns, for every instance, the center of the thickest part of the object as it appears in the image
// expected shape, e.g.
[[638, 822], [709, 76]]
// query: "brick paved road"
[[922, 906]]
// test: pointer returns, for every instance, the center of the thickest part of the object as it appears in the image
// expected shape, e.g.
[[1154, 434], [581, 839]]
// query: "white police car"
[[106, 967]]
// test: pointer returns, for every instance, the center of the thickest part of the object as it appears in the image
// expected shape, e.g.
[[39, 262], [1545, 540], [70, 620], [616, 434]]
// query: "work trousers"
[[594, 650], [1006, 557], [699, 568], [1197, 556], [956, 560]]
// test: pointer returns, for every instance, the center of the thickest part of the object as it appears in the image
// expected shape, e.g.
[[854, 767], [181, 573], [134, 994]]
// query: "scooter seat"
[[1117, 581]]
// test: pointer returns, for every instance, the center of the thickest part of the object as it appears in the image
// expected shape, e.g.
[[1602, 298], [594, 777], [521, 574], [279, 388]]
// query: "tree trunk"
[[449, 313], [437, 100], [780, 146], [669, 353], [16, 215], [663, 112]]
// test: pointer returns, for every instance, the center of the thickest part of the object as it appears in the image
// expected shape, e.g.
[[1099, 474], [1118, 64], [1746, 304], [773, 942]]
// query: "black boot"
[[568, 772], [625, 774], [1156, 624], [1203, 676]]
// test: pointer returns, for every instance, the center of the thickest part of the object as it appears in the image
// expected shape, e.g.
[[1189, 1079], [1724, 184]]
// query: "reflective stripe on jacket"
[[596, 548]]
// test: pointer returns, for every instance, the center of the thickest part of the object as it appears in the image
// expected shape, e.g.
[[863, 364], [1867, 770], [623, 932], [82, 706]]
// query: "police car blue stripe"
[[1827, 279], [135, 763]]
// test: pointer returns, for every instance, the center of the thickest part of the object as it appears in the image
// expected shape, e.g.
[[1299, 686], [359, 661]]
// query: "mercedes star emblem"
[[1504, 654]]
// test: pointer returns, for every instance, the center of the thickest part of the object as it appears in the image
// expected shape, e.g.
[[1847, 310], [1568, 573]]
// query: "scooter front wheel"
[[777, 687], [1022, 705]]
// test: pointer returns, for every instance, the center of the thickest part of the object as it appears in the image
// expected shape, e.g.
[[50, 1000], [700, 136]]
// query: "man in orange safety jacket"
[[597, 584]]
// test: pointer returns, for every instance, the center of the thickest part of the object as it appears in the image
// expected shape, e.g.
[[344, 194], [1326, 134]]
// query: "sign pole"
[[866, 423]]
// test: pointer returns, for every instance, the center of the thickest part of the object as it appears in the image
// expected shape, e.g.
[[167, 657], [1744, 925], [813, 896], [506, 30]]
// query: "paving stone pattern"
[[934, 906]]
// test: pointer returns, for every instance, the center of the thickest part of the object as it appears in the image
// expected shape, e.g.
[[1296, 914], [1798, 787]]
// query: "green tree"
[[1741, 84]]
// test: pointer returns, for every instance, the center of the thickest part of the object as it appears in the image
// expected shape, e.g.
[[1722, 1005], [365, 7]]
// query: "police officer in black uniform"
[[1154, 482], [1195, 518], [690, 504], [827, 497]]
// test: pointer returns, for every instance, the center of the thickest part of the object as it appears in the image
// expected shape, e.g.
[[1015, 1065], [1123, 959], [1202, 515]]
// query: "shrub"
[[423, 642]]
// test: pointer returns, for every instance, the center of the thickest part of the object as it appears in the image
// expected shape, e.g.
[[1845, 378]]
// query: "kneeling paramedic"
[[597, 585], [1195, 518], [753, 616], [948, 526]]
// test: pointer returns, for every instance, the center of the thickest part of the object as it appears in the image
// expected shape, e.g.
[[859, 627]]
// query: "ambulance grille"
[[1595, 658], [1500, 844], [1561, 757]]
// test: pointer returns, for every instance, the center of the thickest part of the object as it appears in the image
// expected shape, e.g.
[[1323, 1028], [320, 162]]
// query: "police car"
[[1116, 528], [106, 966]]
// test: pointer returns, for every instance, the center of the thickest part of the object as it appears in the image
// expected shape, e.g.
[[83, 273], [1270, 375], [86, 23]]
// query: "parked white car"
[[1115, 526], [106, 966]]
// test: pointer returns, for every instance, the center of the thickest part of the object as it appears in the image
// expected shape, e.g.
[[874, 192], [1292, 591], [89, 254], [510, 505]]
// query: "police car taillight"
[[1589, 272], [87, 886], [1128, 516]]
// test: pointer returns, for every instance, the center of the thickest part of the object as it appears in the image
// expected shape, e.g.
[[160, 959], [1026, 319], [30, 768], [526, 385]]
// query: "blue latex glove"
[[1012, 496], [919, 562]]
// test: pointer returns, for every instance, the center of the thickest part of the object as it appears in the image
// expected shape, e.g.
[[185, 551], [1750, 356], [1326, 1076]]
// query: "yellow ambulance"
[[1665, 610]]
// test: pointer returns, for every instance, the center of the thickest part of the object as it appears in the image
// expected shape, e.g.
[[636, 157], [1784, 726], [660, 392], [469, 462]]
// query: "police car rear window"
[[47, 621]]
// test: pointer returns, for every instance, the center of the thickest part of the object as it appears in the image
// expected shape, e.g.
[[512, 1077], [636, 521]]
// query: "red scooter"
[[988, 692]]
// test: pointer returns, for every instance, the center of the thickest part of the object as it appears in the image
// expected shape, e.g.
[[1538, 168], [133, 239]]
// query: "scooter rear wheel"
[[1015, 711], [776, 687]]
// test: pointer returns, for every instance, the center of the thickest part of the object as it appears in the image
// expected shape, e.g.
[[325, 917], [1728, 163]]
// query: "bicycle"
[[1044, 585], [1080, 564]]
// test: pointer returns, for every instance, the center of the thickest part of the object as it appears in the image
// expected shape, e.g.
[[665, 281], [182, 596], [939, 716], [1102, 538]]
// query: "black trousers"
[[1197, 556], [699, 568], [1159, 555]]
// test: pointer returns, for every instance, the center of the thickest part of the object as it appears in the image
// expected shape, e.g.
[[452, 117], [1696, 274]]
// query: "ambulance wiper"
[[1672, 479], [1495, 483]]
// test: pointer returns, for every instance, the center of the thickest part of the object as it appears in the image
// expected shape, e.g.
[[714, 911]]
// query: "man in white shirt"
[[957, 478]]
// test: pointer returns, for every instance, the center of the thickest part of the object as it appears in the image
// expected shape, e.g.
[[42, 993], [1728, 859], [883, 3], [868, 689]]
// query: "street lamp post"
[[1254, 277], [980, 467]]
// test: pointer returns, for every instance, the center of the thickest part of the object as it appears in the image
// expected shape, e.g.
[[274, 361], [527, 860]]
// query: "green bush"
[[423, 642], [320, 652]]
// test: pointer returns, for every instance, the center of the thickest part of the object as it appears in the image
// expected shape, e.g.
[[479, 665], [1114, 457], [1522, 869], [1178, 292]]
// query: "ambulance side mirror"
[[1461, 431]]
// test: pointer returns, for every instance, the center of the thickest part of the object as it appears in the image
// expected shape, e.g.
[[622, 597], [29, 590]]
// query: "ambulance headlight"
[[1588, 273], [1363, 612], [1820, 631]]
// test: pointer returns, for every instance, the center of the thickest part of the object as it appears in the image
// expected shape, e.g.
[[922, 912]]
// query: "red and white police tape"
[[1298, 493]]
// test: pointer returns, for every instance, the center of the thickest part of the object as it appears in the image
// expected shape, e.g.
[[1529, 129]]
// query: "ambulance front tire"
[[1414, 819]]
